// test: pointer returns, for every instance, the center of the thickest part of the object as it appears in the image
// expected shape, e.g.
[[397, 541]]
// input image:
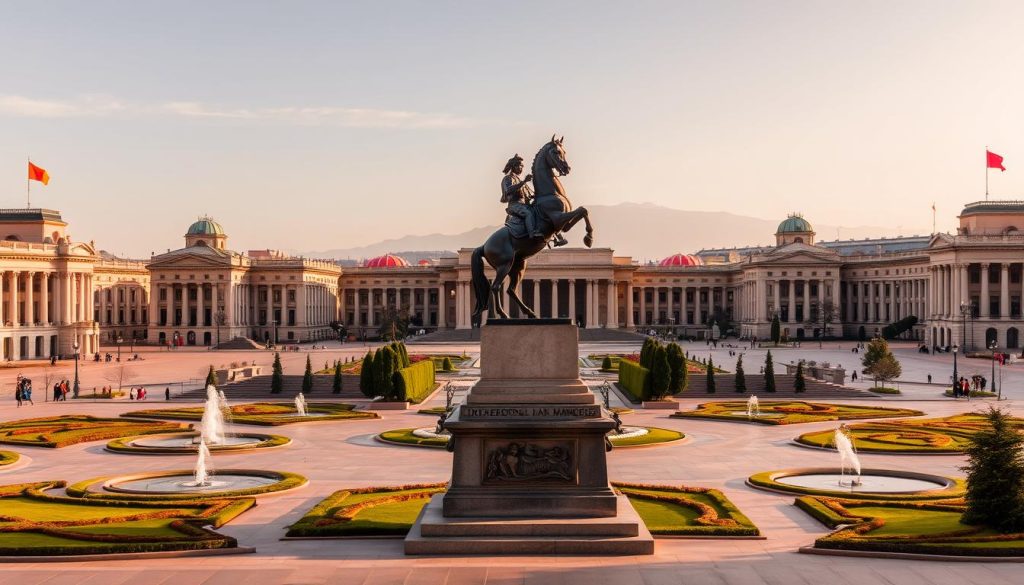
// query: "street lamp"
[[956, 379], [993, 346], [119, 340], [74, 388]]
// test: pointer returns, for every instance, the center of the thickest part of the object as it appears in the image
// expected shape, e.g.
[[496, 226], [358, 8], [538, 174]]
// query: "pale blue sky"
[[309, 125]]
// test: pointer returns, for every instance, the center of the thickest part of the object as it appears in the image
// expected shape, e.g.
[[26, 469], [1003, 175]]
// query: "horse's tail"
[[481, 286]]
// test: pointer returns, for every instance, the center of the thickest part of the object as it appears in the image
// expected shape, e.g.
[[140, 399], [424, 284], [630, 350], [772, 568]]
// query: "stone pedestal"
[[530, 470]]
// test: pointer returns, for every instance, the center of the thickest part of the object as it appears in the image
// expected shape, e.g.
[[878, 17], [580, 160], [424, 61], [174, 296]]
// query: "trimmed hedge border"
[[54, 432], [415, 383], [124, 445], [766, 481], [854, 530], [633, 379], [8, 458], [288, 481], [191, 527], [329, 517], [709, 523], [331, 412], [810, 412], [940, 436], [404, 437]]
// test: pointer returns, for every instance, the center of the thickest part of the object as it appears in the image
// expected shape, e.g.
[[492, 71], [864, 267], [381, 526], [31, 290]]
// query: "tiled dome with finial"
[[795, 223], [386, 261], [205, 226]]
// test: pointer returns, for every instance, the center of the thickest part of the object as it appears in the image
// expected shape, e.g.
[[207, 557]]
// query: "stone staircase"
[[585, 335], [258, 388], [725, 385], [240, 343]]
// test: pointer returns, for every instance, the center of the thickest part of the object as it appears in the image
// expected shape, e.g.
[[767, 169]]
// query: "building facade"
[[965, 288]]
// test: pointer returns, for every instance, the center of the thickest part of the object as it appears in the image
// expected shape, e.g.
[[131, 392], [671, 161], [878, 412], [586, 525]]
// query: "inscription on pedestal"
[[529, 411], [530, 461]]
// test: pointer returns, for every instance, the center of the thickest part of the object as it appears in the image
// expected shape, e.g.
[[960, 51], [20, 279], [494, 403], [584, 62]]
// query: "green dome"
[[205, 227], [794, 224]]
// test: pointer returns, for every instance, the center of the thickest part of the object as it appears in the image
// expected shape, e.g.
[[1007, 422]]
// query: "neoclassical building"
[[45, 283], [964, 288]]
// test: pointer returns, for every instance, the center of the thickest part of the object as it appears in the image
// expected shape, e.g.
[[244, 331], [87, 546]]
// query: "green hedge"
[[633, 379], [8, 458], [415, 383]]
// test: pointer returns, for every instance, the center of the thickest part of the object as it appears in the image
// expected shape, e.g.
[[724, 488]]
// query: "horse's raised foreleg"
[[514, 276], [566, 220]]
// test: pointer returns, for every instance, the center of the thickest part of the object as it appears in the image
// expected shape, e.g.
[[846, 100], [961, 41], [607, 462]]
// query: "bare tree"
[[120, 374], [823, 314]]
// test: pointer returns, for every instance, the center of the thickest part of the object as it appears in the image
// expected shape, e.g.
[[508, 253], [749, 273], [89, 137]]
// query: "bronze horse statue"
[[507, 250]]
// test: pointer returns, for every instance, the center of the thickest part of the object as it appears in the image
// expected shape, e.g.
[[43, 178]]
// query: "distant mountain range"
[[642, 230]]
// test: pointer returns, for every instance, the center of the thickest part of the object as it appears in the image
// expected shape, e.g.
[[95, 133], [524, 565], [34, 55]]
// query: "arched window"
[[991, 337], [798, 240], [1012, 338]]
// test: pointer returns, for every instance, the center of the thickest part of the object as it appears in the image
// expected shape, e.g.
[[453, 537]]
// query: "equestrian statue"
[[529, 225]]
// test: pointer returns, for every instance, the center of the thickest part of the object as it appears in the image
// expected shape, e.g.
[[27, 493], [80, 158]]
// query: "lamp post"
[[993, 346], [965, 309], [119, 340], [74, 388], [956, 379]]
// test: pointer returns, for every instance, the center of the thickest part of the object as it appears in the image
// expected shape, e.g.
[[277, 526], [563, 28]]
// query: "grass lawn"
[[666, 510], [35, 523], [787, 412], [61, 431], [931, 435], [900, 526], [262, 413], [8, 458], [654, 436]]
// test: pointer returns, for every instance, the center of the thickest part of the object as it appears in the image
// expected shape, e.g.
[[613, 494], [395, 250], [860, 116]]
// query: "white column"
[[30, 313], [1004, 290], [572, 300], [986, 308], [554, 298], [657, 305], [629, 304], [643, 306], [612, 320], [15, 314], [200, 305], [44, 302], [807, 299], [442, 307]]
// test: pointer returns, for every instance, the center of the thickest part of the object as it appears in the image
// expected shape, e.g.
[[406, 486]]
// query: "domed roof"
[[681, 260], [425, 262], [205, 227], [386, 261], [794, 224]]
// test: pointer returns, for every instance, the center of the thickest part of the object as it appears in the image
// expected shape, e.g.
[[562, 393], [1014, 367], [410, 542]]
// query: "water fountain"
[[211, 427], [300, 404], [753, 407], [847, 456], [201, 475]]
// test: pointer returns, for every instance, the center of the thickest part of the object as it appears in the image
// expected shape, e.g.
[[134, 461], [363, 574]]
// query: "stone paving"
[[344, 454]]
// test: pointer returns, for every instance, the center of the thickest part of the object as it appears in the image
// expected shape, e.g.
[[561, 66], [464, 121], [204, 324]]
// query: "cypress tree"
[[995, 475], [711, 376], [396, 366], [776, 329], [366, 375], [769, 373], [211, 377], [336, 384], [307, 377], [446, 365], [606, 364], [383, 370], [676, 366], [741, 379], [799, 384], [660, 374], [277, 375]]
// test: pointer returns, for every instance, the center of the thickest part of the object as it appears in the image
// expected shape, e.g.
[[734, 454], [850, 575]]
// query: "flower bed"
[[34, 523], [787, 412], [61, 431], [391, 511], [953, 488], [949, 435], [8, 458], [898, 526], [653, 436], [262, 413], [93, 488]]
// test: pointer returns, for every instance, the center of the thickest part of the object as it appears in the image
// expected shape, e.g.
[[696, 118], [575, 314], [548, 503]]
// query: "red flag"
[[994, 161], [38, 174]]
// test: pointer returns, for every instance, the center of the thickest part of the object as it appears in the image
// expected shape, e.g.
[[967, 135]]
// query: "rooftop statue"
[[529, 227]]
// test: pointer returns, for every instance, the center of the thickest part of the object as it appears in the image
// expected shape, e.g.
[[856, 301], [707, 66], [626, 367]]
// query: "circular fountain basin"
[[878, 482], [188, 443], [761, 415], [182, 484]]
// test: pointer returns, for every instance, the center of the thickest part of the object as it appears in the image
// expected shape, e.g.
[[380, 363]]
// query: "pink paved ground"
[[336, 455]]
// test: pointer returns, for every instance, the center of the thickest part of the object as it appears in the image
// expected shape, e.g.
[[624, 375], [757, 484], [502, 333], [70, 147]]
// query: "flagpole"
[[986, 172], [28, 188]]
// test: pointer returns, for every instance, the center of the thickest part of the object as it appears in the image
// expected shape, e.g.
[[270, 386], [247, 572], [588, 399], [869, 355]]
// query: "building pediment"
[[798, 254], [196, 256]]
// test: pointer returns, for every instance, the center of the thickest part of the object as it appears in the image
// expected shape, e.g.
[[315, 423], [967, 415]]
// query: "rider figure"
[[516, 193]]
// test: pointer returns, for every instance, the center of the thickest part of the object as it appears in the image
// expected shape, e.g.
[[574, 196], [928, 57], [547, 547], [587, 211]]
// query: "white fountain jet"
[[201, 475], [300, 404], [211, 428], [753, 407], [847, 456]]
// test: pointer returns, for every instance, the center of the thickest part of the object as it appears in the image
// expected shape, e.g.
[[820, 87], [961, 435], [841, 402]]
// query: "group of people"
[[137, 393], [23, 390], [60, 390], [964, 386]]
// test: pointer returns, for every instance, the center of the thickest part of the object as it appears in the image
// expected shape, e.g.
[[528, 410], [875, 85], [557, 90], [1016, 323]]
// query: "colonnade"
[[702, 308], [588, 308], [951, 287], [366, 301], [886, 300], [34, 304]]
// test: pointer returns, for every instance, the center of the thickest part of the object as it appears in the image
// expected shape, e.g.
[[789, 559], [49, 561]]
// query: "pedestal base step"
[[433, 534]]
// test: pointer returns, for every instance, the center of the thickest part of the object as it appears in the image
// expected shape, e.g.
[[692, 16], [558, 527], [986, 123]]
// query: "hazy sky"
[[315, 125]]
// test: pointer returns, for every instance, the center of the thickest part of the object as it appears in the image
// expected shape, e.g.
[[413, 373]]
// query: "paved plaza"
[[337, 455]]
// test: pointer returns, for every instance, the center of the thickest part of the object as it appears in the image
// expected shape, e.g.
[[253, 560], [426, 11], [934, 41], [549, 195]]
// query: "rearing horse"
[[508, 254]]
